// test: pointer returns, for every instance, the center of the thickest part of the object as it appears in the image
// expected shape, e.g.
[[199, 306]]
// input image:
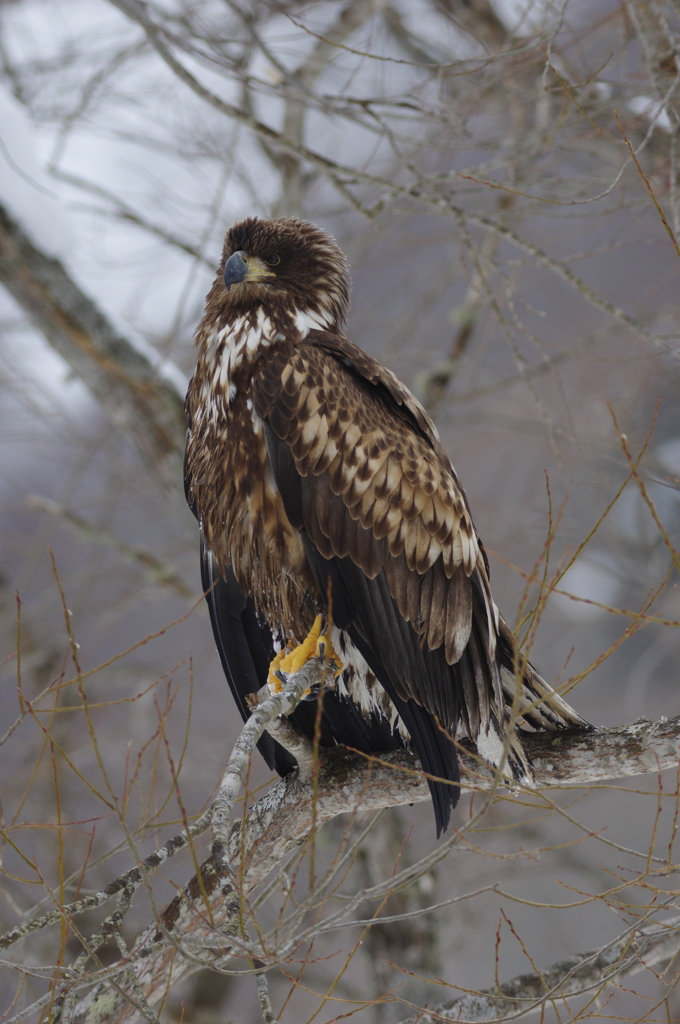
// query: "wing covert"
[[377, 486]]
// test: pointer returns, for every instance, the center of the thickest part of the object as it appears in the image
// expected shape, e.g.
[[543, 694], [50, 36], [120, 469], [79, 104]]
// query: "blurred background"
[[503, 176]]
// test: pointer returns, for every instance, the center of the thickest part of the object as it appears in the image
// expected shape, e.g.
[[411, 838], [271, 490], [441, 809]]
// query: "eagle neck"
[[229, 352]]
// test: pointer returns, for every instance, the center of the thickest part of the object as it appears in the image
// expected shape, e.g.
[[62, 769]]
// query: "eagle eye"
[[273, 260]]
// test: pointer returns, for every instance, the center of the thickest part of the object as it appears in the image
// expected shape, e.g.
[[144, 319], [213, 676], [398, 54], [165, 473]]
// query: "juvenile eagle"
[[313, 470]]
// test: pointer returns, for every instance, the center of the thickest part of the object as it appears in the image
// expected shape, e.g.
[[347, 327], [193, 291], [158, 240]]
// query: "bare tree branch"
[[637, 950], [283, 820], [123, 379], [120, 210], [160, 571], [350, 18]]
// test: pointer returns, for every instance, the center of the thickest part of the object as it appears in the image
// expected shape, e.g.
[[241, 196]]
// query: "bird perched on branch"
[[331, 518]]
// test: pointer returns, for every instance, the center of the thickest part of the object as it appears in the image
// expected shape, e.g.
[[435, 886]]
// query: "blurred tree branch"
[[160, 571], [134, 395], [350, 18], [120, 210]]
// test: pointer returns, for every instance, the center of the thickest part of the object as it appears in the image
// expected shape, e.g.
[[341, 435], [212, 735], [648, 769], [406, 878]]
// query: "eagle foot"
[[290, 660]]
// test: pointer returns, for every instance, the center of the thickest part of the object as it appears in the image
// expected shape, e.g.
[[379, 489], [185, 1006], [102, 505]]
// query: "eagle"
[[330, 511]]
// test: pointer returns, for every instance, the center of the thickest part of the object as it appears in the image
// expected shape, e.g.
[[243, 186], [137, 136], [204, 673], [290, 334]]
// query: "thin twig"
[[649, 188]]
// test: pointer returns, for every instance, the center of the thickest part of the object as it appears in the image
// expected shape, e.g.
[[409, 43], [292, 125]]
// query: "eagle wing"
[[245, 648], [363, 476]]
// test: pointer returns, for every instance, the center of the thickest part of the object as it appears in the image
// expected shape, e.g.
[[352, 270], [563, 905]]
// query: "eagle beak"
[[241, 267], [235, 269]]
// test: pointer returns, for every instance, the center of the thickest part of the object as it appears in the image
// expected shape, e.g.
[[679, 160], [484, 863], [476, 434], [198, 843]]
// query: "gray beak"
[[235, 270]]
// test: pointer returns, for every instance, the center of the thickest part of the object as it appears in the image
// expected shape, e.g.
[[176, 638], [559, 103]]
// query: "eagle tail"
[[538, 706], [501, 746], [529, 705]]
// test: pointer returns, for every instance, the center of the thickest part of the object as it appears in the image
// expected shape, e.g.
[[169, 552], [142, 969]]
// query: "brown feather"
[[458, 616], [436, 613]]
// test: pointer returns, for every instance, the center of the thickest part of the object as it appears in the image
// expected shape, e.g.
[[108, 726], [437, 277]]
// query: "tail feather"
[[537, 708], [539, 705]]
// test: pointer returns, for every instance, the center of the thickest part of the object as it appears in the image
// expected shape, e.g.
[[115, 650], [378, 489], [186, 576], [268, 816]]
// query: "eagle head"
[[285, 265]]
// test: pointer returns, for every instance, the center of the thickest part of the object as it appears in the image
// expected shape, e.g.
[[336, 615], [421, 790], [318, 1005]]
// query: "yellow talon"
[[326, 651], [299, 656], [273, 681], [315, 645]]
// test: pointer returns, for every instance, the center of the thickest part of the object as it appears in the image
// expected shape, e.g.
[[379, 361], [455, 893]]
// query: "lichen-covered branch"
[[282, 821], [273, 705], [586, 973]]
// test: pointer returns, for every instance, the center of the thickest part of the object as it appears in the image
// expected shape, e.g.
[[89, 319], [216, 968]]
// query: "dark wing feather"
[[365, 608], [369, 613], [363, 476], [376, 487], [245, 648], [244, 645]]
